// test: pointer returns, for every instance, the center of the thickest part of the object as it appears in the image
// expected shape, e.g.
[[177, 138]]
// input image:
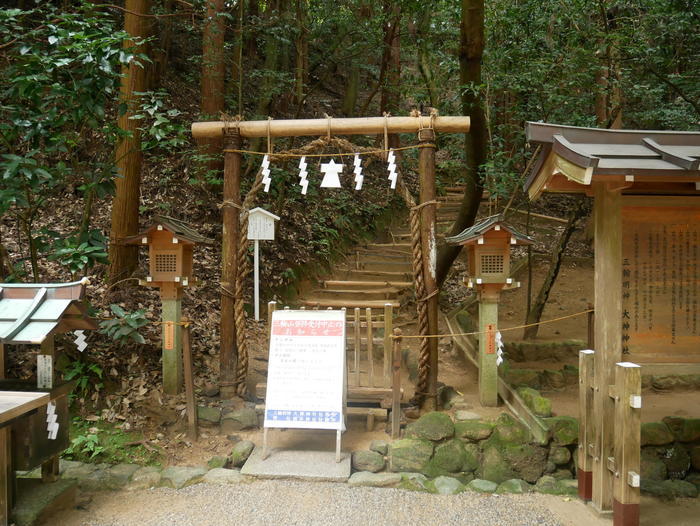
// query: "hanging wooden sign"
[[168, 335]]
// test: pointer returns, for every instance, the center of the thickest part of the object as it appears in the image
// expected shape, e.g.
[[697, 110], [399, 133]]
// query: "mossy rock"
[[208, 416], [379, 446], [652, 467], [669, 489], [537, 403], [482, 486], [445, 486], [433, 426], [656, 434], [553, 379], [495, 467], [551, 486], [677, 460], [447, 458], [559, 455], [410, 454], [515, 486], [526, 460], [684, 429], [473, 430], [217, 461], [367, 461], [523, 378], [413, 481], [240, 452], [472, 455], [508, 431], [564, 430], [571, 374]]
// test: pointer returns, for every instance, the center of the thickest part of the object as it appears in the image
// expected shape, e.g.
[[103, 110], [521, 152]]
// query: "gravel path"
[[285, 502]]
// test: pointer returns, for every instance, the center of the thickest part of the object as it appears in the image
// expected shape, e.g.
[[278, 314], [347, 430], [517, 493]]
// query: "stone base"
[[36, 501], [298, 464]]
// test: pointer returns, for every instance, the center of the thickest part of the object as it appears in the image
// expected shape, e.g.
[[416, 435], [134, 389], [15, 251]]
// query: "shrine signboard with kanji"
[[306, 373], [661, 279]]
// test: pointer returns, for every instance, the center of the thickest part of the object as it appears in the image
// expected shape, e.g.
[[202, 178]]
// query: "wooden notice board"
[[661, 279]]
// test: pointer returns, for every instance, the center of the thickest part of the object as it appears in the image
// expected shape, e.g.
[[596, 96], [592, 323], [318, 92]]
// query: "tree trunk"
[[237, 68], [161, 54], [475, 142], [535, 313], [213, 77], [391, 57], [125, 207], [271, 61], [424, 61], [301, 50]]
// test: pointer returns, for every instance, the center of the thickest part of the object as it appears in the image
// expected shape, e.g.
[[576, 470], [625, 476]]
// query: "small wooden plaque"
[[491, 338], [168, 335]]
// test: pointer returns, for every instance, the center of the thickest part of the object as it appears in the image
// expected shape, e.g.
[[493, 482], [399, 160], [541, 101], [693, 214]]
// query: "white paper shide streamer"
[[499, 348], [357, 163], [51, 417], [80, 340], [303, 174], [266, 173], [331, 174], [391, 159]]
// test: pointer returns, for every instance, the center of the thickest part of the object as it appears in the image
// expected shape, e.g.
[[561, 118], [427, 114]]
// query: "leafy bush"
[[124, 327]]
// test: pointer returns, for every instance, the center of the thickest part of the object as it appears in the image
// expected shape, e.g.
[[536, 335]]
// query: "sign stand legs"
[[338, 434], [266, 451]]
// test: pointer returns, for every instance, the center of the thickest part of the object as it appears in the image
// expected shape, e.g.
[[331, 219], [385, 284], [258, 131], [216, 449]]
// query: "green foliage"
[[99, 441], [78, 256], [86, 375], [124, 327], [157, 123]]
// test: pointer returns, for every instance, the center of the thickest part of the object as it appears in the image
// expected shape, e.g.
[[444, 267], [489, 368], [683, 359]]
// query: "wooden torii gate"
[[232, 134]]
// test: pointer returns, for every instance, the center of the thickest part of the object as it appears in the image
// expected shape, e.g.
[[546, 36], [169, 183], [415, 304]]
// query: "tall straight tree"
[[125, 207], [471, 51], [213, 75]]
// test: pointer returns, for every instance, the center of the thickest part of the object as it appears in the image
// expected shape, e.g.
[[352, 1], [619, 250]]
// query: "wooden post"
[[591, 327], [388, 325], [2, 360], [396, 385], [426, 162], [49, 468], [228, 358], [271, 307], [488, 327], [628, 403], [370, 346], [6, 475], [192, 430], [357, 341], [171, 299], [608, 333], [584, 468]]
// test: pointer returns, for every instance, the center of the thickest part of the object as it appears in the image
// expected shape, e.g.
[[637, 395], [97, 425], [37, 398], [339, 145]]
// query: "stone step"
[[350, 304], [394, 247], [386, 293], [374, 275], [379, 255], [384, 266], [354, 285]]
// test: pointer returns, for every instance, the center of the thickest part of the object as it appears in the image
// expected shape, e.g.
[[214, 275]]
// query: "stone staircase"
[[379, 273]]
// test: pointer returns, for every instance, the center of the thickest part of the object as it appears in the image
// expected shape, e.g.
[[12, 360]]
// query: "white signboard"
[[261, 224], [44, 371], [306, 372]]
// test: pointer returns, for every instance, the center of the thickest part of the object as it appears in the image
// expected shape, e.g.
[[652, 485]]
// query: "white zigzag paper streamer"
[[499, 348], [80, 340], [358, 172], [266, 173], [51, 417], [391, 159], [303, 182]]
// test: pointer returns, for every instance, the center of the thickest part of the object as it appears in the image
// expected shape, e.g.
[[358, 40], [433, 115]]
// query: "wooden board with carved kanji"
[[661, 279]]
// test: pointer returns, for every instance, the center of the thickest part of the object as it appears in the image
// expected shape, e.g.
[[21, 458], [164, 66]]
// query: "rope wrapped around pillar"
[[421, 305], [243, 271]]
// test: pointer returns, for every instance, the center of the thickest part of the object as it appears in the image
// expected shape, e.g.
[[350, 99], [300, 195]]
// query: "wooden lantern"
[[170, 249], [488, 243], [170, 245]]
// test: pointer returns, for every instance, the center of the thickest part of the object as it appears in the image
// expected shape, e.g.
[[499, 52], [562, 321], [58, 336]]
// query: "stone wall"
[[474, 453], [671, 457]]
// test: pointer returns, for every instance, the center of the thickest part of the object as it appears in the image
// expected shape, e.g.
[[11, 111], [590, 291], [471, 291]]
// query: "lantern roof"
[[30, 312], [648, 162], [472, 234], [178, 228]]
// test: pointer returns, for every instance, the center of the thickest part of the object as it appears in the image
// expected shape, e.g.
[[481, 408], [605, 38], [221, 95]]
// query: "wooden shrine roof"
[[474, 232], [29, 312], [178, 228], [646, 162]]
